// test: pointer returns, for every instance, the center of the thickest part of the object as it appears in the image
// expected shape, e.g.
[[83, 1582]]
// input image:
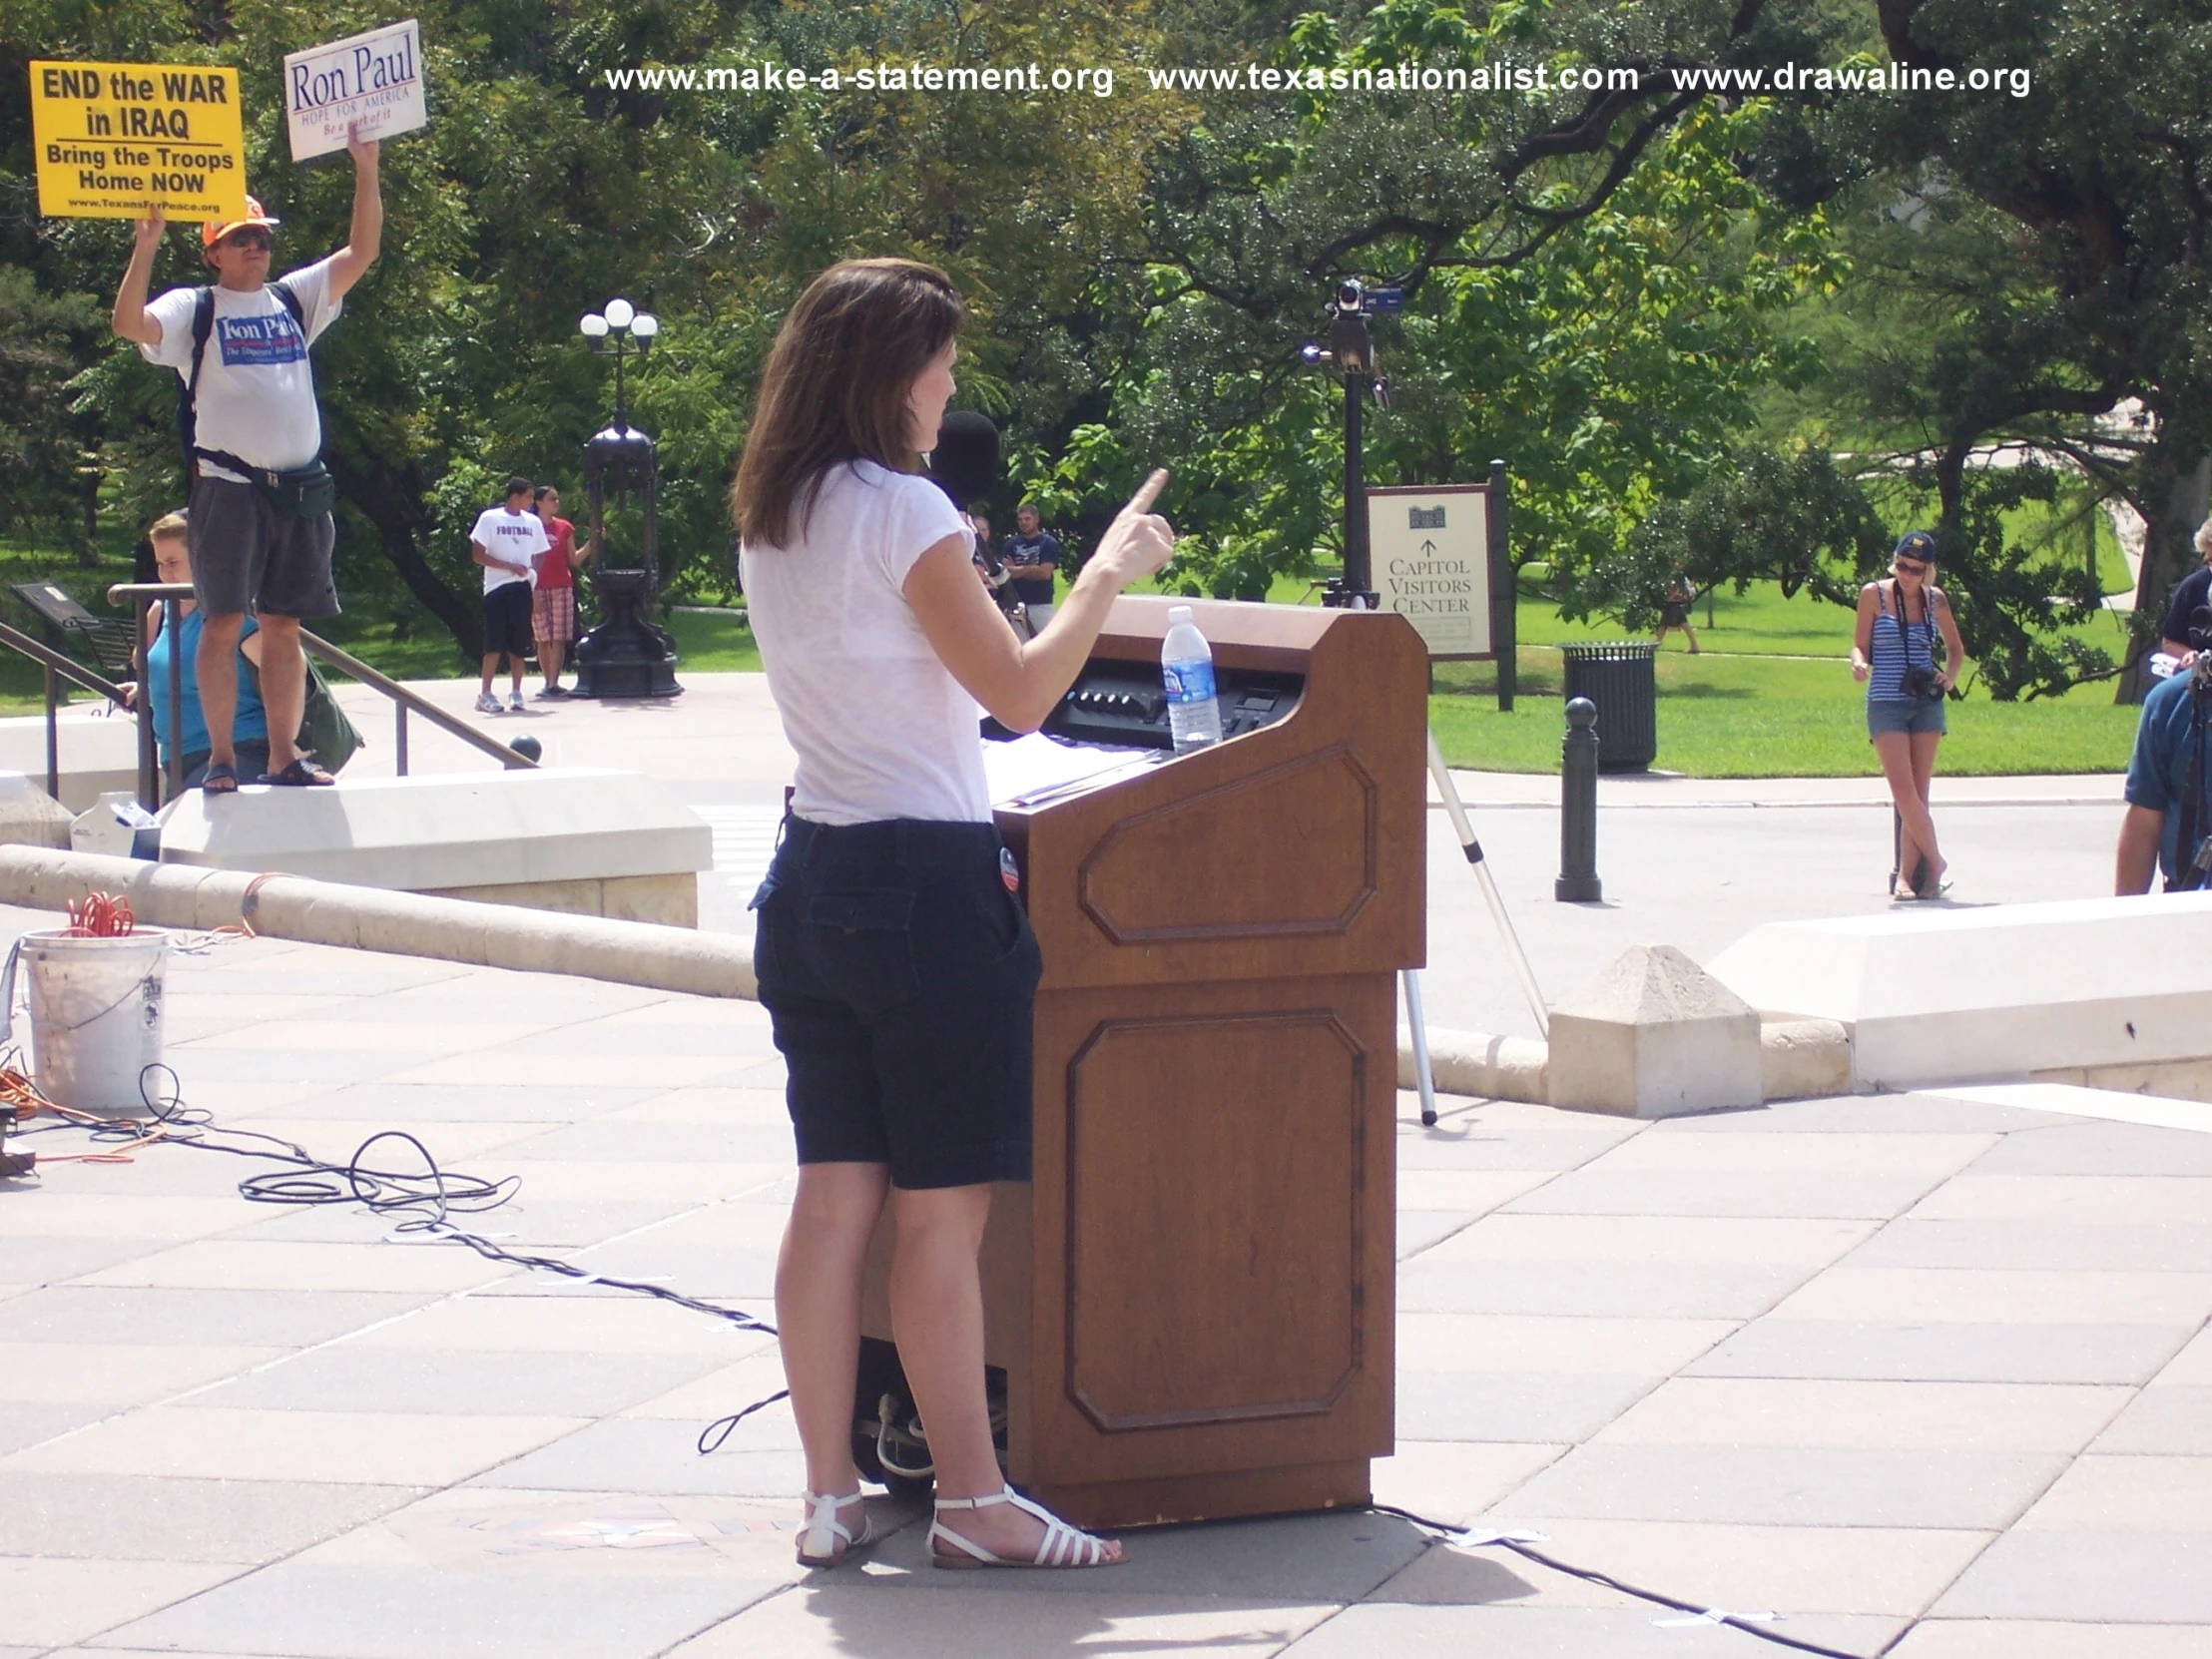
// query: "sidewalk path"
[[1856, 1363]]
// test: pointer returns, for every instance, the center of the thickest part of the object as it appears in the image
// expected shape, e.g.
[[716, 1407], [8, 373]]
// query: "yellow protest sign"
[[114, 139]]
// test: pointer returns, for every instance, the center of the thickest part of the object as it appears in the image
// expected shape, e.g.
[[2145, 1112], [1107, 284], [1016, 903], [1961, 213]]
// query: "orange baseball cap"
[[213, 233]]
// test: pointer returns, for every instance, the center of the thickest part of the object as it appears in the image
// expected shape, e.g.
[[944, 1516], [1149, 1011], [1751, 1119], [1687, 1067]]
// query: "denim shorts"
[[1914, 716], [900, 974]]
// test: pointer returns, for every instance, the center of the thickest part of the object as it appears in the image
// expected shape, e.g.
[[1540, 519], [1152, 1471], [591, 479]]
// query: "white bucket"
[[95, 1016]]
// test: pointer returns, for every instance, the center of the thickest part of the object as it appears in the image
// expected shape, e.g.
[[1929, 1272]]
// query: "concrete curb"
[[373, 918], [1799, 1059]]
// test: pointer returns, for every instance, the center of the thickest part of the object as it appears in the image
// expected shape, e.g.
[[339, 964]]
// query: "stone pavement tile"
[[1934, 1417], [313, 1612], [2126, 1494], [1788, 1569], [629, 1140], [1596, 1290], [567, 1325], [28, 1425], [1474, 1143], [548, 1223], [2193, 1364], [707, 1104], [283, 1264], [1409, 1631], [2028, 1639], [2005, 1296], [742, 1224], [1292, 1560], [1455, 1480], [52, 1601], [1948, 1351], [1501, 1405], [839, 1617], [1535, 1343], [452, 1143], [2123, 1577], [143, 1518], [1789, 1486], [57, 1260], [1476, 1190], [42, 1212], [457, 1381], [495, 994], [169, 1318], [831, 1617], [660, 1457], [695, 1182], [724, 1388], [526, 1065], [1913, 1242], [205, 1072], [416, 1036], [480, 1102], [724, 1274], [2075, 1147], [337, 973], [2062, 1200], [114, 1373], [1599, 1191], [2165, 1420], [1865, 1114], [1776, 1152], [1423, 1230], [347, 1447], [1515, 1236], [625, 1034]]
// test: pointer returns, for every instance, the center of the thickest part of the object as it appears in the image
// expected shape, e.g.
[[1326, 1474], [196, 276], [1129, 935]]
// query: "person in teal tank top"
[[250, 727], [1894, 652]]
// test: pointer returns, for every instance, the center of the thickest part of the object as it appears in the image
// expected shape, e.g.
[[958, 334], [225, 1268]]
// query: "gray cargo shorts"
[[248, 556]]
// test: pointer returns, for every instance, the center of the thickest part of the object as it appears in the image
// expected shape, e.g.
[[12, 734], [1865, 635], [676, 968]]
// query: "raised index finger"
[[1147, 492]]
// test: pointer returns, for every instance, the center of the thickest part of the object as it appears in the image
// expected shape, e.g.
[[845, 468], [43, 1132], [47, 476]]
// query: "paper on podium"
[[1029, 769]]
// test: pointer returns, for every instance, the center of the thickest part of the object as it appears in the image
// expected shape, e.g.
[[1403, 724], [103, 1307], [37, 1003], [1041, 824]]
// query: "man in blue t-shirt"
[[2170, 741], [1032, 555]]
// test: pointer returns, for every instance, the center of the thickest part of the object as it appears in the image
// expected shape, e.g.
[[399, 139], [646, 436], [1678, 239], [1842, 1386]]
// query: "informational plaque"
[[1430, 556], [370, 83], [116, 140]]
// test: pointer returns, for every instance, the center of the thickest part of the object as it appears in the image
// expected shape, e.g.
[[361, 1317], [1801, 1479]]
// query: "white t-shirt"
[[883, 731], [516, 538], [257, 387]]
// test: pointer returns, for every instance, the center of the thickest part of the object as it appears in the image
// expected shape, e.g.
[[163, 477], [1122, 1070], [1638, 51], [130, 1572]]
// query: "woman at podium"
[[896, 963]]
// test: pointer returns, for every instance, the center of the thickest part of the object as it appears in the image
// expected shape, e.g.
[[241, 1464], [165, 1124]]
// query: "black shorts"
[[247, 555], [507, 620], [901, 975]]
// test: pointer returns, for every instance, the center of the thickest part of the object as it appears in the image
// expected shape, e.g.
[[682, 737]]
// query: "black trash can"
[[1617, 677]]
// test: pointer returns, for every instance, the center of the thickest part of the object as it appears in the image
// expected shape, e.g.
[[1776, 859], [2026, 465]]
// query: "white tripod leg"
[[1422, 1076], [1456, 811]]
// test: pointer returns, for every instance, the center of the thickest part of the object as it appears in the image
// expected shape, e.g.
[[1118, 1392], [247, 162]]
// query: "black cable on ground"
[[1590, 1575]]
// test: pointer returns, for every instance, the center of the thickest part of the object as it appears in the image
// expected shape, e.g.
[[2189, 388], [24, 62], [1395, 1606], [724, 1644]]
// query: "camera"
[[1923, 684]]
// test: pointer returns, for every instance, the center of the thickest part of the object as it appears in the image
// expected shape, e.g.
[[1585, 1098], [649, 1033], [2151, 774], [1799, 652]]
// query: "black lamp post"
[[628, 654]]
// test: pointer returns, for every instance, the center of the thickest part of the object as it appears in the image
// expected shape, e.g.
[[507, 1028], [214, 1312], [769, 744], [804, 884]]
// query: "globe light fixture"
[[619, 314], [593, 327]]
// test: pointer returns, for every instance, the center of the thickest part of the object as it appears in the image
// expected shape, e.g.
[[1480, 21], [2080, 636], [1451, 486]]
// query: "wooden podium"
[[1194, 1299]]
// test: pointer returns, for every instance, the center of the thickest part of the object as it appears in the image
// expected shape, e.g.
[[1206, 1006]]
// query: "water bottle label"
[[1189, 682]]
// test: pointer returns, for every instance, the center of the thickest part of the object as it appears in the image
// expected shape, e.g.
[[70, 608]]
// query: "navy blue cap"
[[1914, 544]]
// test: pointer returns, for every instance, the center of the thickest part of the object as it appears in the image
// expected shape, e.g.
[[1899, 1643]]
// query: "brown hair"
[[835, 388], [167, 525]]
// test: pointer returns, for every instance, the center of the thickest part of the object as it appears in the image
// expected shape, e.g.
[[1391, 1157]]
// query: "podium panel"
[[1194, 1297]]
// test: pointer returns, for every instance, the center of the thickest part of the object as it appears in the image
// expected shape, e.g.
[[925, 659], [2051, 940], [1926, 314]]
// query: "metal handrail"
[[58, 667], [403, 701]]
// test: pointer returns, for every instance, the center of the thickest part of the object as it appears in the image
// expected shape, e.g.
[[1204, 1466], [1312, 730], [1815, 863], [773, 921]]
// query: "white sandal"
[[820, 1543], [1061, 1546]]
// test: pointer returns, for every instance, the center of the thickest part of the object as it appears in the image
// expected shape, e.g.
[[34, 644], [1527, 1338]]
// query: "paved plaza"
[[1856, 1363]]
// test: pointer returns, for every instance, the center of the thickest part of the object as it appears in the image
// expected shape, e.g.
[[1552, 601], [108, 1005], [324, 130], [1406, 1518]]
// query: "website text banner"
[[370, 83], [114, 140], [1428, 551]]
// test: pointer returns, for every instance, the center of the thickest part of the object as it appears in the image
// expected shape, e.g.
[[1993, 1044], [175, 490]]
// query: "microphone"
[[965, 463]]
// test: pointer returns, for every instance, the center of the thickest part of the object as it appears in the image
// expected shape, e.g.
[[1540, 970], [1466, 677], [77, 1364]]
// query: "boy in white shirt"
[[506, 541]]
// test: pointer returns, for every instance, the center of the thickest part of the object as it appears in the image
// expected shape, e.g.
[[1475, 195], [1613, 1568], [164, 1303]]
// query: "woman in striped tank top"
[[1894, 652]]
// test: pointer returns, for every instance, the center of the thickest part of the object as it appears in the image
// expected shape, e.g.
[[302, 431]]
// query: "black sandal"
[[302, 773], [221, 777]]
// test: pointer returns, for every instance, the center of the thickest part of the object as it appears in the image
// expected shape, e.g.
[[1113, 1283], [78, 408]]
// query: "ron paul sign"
[[1430, 560], [367, 84], [114, 140]]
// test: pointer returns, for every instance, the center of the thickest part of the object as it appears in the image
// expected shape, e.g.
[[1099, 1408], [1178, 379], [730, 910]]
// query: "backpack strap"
[[2193, 825], [188, 405]]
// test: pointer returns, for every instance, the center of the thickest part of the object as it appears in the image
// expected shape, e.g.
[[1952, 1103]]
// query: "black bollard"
[[1579, 882]]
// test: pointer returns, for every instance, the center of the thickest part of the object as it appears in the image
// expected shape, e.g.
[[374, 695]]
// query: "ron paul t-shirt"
[[513, 539], [257, 387]]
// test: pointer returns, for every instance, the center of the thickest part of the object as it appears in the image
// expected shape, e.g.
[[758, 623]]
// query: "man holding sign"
[[260, 528]]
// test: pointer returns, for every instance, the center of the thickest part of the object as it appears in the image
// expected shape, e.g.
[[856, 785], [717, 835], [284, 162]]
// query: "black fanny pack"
[[306, 491]]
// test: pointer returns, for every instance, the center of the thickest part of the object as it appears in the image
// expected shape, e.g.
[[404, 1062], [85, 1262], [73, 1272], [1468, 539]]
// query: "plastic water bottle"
[[1187, 667]]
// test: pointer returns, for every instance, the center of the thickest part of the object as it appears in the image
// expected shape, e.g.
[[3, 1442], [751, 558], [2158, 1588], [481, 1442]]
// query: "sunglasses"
[[249, 238], [1906, 567]]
